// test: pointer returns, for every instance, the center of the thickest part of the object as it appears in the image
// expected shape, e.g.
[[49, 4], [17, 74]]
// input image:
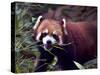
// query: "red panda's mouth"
[[48, 46], [48, 41]]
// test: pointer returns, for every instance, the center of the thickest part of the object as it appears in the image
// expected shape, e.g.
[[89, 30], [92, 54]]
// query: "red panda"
[[81, 35]]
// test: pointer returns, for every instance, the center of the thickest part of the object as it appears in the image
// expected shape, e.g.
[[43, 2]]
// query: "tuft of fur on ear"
[[37, 22], [64, 26]]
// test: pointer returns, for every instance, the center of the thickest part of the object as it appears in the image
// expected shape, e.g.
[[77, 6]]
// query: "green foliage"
[[24, 41]]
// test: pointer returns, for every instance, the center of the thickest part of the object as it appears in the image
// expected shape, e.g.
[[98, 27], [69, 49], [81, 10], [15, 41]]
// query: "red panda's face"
[[49, 32]]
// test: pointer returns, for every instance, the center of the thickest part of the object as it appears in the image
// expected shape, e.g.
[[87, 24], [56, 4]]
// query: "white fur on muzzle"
[[50, 38]]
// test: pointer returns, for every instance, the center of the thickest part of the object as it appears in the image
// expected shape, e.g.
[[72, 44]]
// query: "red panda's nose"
[[49, 42]]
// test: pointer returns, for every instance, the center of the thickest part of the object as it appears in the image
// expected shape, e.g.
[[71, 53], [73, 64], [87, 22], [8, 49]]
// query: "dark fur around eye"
[[55, 36], [43, 35]]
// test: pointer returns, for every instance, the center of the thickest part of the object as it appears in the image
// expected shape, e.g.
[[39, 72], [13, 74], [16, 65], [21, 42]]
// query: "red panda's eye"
[[55, 36], [43, 35]]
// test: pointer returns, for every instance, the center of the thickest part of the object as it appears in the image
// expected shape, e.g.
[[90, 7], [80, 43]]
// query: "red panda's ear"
[[37, 22], [64, 26]]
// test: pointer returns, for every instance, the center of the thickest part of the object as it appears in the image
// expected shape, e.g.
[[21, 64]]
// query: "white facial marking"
[[38, 36], [45, 39], [45, 31], [54, 32]]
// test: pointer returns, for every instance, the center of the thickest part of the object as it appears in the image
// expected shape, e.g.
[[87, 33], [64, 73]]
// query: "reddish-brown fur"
[[51, 25], [83, 34]]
